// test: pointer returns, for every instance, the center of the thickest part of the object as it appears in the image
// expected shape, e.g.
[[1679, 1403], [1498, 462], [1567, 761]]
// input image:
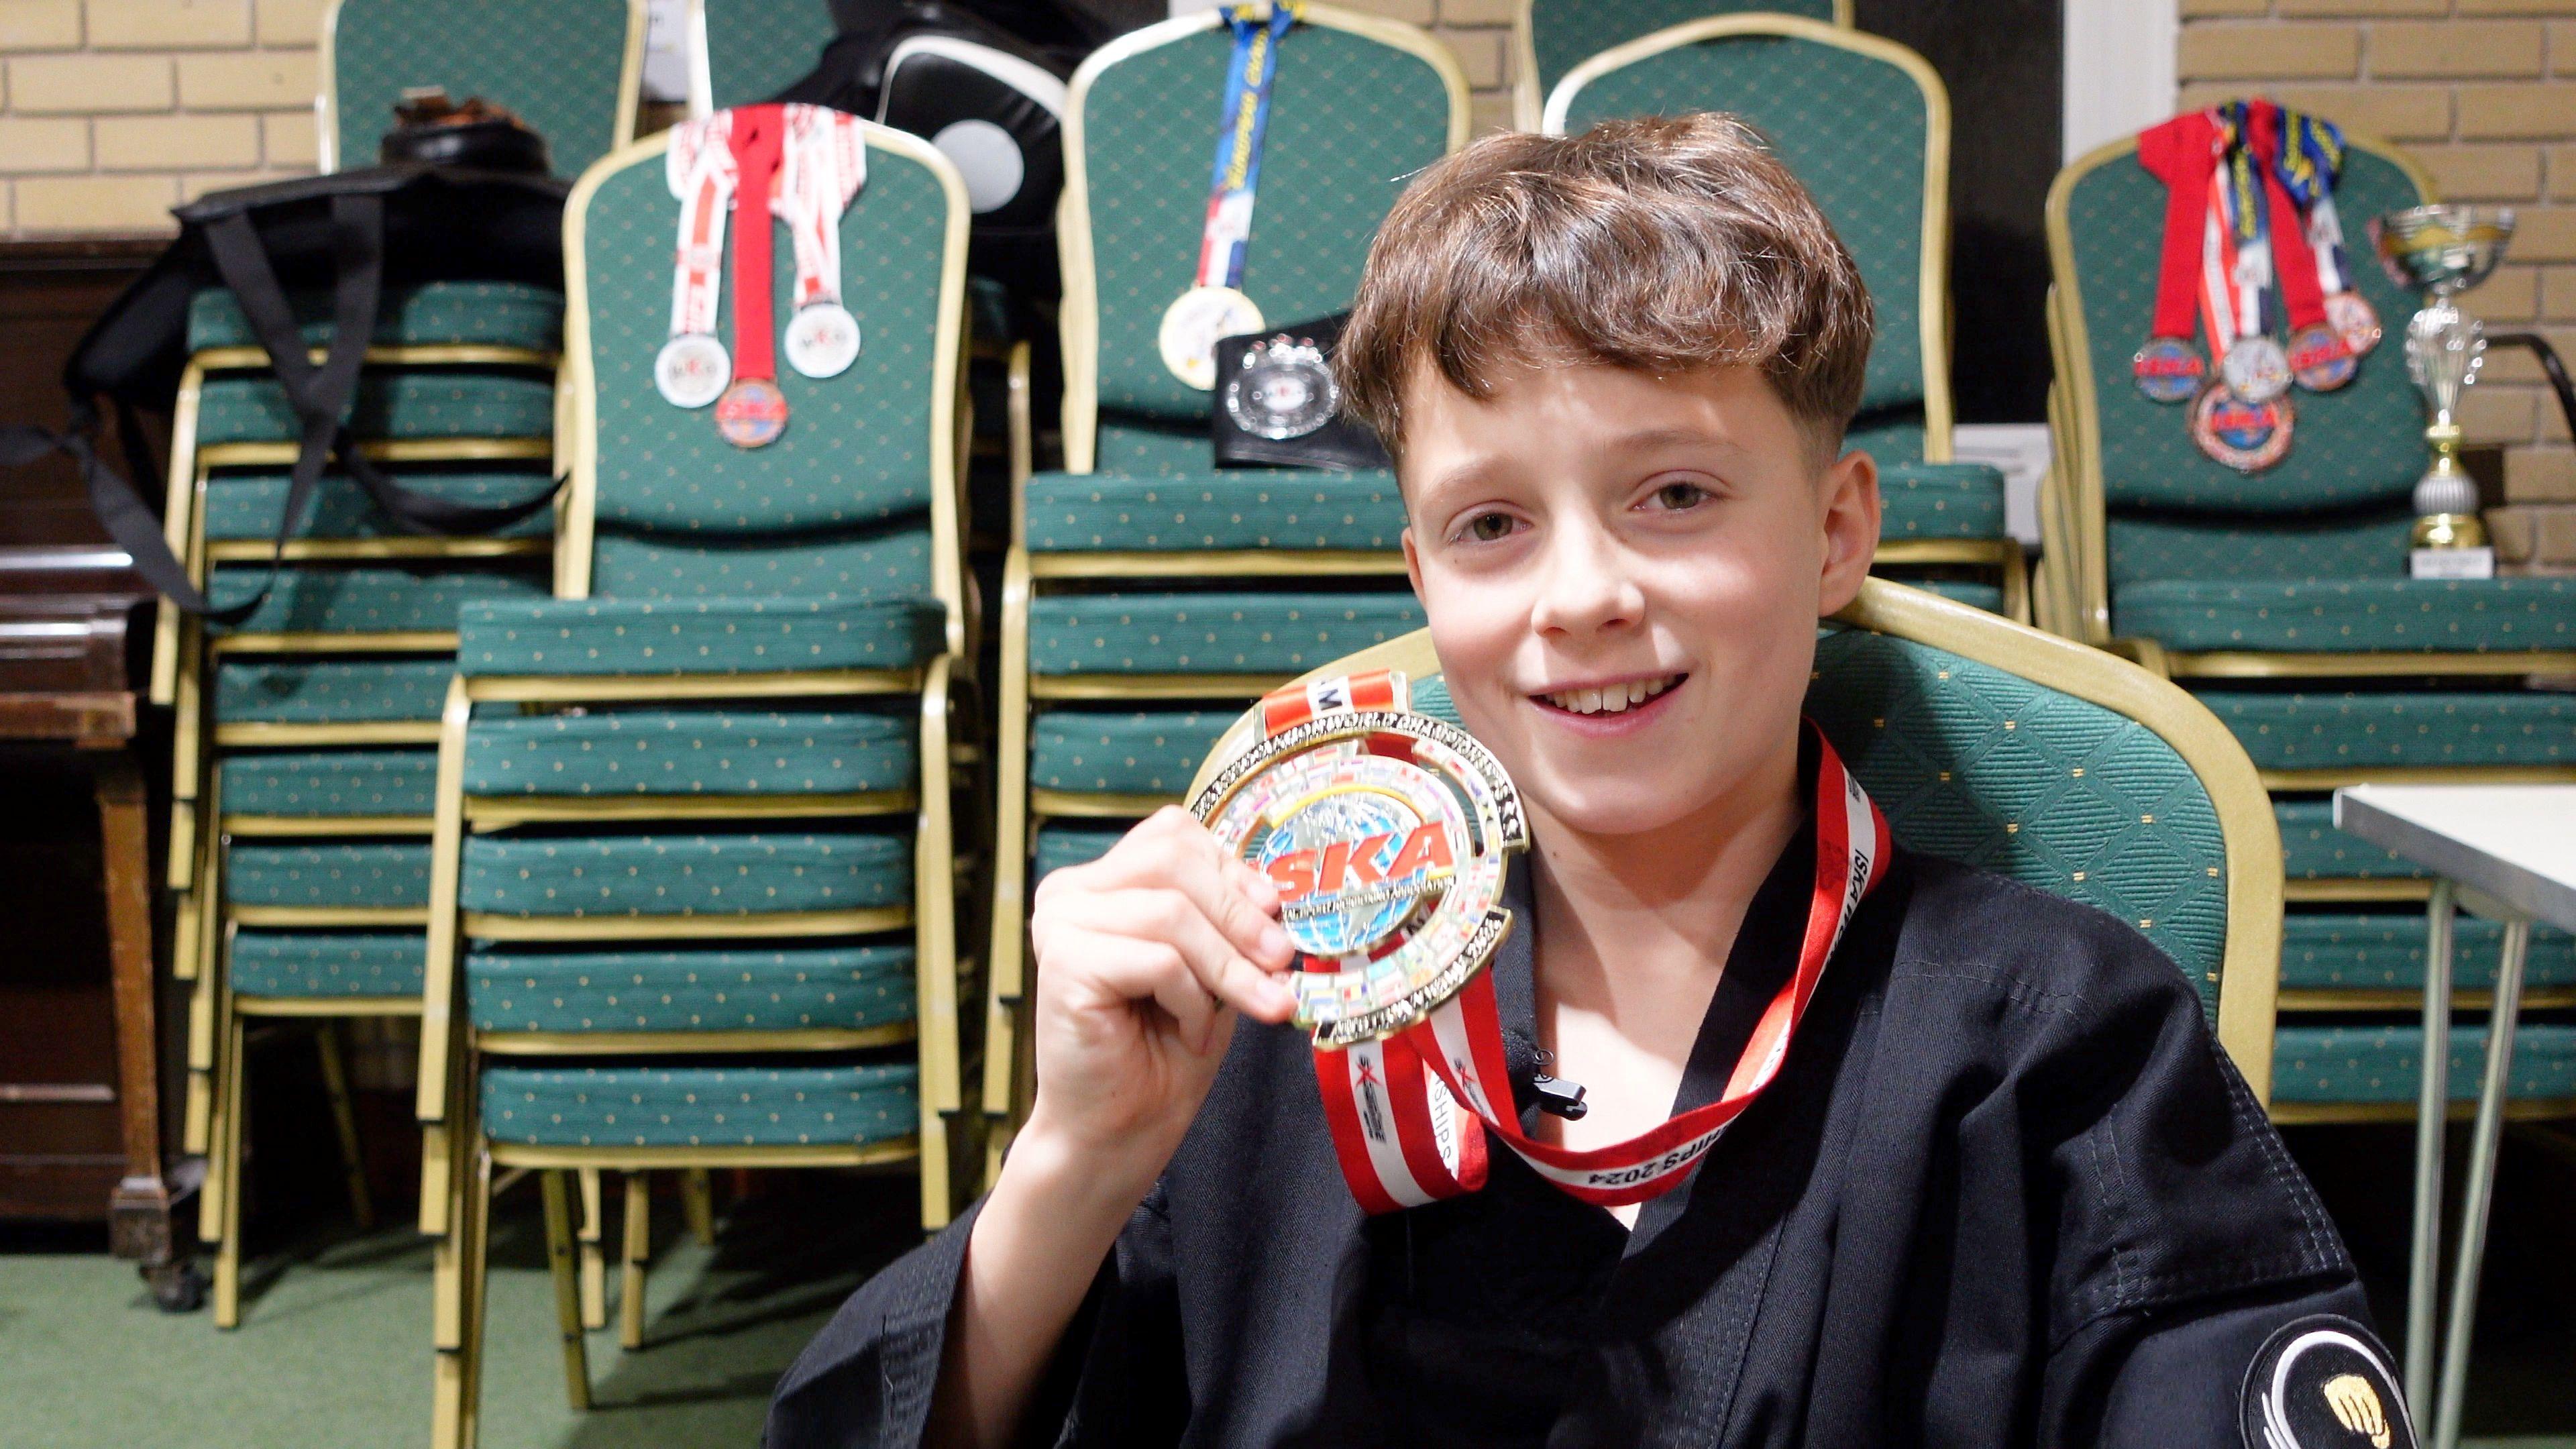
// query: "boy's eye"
[[1679, 496], [1489, 527]]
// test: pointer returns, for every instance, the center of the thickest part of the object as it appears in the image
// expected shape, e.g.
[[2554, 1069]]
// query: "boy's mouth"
[[1617, 698]]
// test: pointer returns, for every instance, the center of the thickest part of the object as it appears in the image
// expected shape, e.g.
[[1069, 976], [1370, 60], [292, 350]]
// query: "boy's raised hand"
[[1144, 957]]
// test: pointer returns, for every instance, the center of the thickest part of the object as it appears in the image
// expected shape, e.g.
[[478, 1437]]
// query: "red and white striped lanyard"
[[1393, 1105]]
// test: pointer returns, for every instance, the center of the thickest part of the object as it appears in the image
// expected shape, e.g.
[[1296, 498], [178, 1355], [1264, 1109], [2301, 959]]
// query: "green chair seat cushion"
[[2312, 849], [370, 874], [1974, 593], [322, 691], [730, 1105], [691, 752], [2337, 1064], [247, 505], [1940, 500], [847, 987], [1142, 753], [370, 599], [1070, 842], [2302, 731], [693, 636], [1213, 509], [1215, 633], [2383, 615], [435, 403], [2353, 951], [2151, 547], [879, 565], [327, 963], [320, 783], [686, 875], [486, 314]]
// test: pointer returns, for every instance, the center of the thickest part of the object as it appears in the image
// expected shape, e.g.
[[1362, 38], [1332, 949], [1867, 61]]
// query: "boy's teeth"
[[1613, 699]]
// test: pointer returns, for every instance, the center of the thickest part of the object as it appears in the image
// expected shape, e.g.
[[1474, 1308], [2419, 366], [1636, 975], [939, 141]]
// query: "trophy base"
[[2448, 530], [2450, 546]]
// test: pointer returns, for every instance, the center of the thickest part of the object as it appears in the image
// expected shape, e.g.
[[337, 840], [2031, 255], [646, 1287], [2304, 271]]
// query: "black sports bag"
[[348, 235]]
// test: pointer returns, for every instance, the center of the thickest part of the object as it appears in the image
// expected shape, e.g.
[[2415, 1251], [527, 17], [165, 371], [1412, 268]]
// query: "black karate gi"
[[2006, 1190]]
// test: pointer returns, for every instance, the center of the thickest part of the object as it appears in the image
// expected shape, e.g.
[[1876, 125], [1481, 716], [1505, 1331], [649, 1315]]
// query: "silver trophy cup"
[[2443, 251]]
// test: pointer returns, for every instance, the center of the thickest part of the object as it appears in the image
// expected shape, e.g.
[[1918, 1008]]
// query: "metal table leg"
[[2423, 1277], [2481, 1190]]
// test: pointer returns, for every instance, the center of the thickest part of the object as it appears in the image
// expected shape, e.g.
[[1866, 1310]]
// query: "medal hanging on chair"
[[2245, 433], [2318, 358], [825, 168], [1215, 306], [2180, 152], [2311, 160], [753, 412], [2253, 363], [693, 367]]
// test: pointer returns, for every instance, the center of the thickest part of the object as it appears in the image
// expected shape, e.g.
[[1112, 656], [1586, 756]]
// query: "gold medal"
[[1387, 835]]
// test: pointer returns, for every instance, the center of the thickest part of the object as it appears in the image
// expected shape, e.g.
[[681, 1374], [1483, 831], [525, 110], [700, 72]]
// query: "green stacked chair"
[[572, 69], [2006, 749], [1865, 123], [742, 52], [1147, 593], [1552, 37], [691, 881], [302, 765], [2281, 599]]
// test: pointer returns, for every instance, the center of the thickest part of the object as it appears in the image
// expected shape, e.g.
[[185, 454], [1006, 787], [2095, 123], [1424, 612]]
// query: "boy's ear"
[[1412, 561], [1851, 505]]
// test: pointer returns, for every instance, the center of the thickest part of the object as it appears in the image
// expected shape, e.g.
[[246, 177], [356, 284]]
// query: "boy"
[[2005, 1189]]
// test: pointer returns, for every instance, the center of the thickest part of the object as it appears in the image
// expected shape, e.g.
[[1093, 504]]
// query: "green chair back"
[[856, 499], [1358, 106], [2355, 448], [573, 69], [744, 51], [1865, 123], [1554, 36], [1995, 746]]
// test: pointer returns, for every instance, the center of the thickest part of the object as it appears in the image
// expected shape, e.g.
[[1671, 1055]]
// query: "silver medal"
[[691, 370], [822, 340]]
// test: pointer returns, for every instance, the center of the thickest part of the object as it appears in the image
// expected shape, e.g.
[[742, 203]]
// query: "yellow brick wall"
[[2483, 93], [113, 111]]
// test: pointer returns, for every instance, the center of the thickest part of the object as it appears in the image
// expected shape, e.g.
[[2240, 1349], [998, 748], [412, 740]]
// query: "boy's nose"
[[1586, 585]]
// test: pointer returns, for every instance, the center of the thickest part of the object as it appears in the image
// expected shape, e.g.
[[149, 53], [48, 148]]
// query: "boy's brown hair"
[[1663, 243]]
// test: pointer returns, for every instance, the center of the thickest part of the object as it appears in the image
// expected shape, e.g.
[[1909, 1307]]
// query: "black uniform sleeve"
[[867, 1378], [2157, 1380]]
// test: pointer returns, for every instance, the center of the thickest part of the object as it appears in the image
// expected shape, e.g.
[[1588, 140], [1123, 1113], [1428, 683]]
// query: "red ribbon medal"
[[2320, 359], [2178, 153], [1406, 883], [753, 412]]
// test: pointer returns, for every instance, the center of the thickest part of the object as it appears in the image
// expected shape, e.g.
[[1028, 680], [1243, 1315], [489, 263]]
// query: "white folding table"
[[2507, 852]]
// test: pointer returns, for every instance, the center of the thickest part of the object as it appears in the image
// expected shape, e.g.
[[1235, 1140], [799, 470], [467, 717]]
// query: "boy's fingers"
[[1173, 919], [1144, 971]]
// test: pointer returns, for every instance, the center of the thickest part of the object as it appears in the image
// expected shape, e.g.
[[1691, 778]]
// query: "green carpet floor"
[[333, 1349]]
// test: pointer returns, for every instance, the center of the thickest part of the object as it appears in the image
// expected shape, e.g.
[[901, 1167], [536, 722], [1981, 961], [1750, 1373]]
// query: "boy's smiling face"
[[1623, 574]]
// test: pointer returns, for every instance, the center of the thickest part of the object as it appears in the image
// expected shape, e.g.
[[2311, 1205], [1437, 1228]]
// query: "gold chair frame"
[[1025, 574], [1933, 322], [457, 1158], [326, 103], [1528, 105]]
